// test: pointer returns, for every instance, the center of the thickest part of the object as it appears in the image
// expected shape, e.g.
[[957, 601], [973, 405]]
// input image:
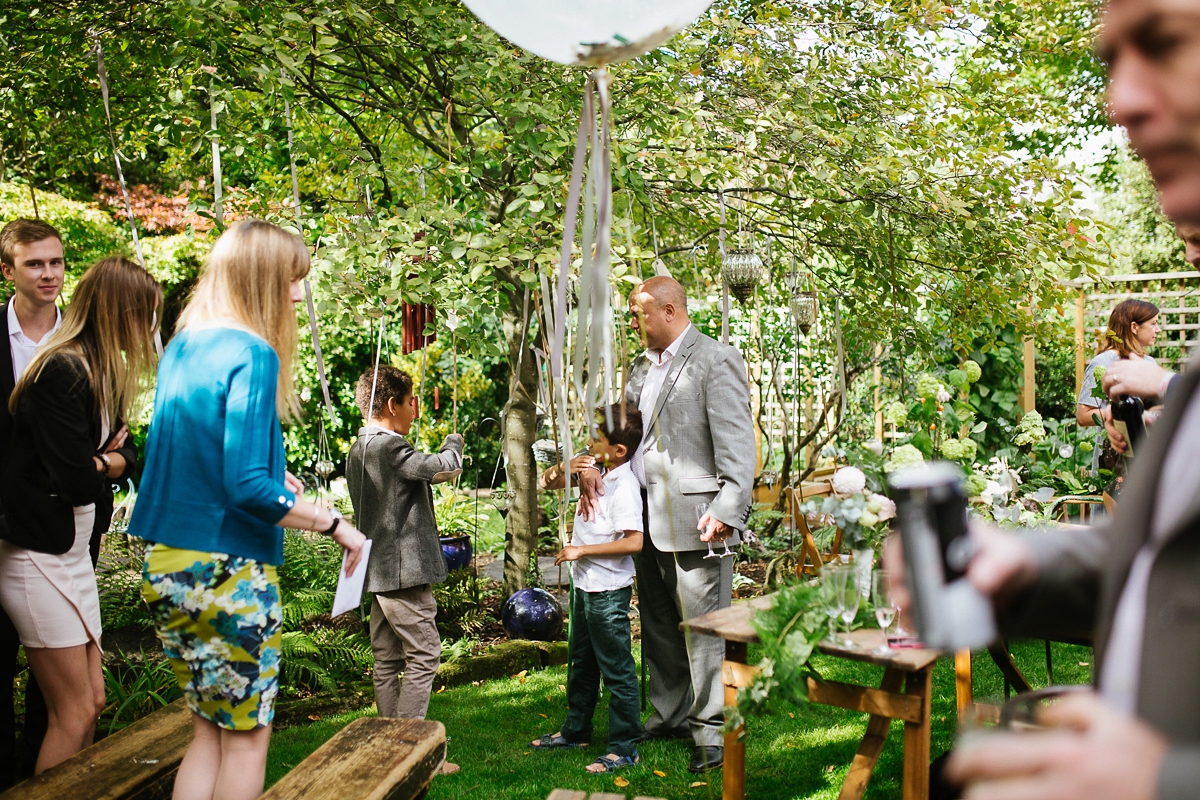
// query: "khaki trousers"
[[407, 651]]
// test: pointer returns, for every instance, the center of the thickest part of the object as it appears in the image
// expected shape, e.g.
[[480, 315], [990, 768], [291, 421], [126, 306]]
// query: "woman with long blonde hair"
[[67, 411], [215, 498]]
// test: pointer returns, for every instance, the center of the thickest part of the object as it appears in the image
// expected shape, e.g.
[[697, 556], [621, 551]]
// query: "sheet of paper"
[[349, 590]]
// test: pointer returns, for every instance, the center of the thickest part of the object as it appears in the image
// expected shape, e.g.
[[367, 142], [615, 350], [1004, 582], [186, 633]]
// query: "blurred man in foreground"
[[1133, 584]]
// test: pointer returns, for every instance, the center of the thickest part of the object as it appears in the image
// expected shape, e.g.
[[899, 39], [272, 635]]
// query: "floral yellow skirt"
[[220, 620]]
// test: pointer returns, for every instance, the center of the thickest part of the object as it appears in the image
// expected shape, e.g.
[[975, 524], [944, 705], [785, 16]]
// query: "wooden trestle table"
[[903, 694]]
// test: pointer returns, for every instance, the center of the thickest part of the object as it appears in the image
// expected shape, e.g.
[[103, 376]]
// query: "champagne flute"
[[829, 599], [885, 611], [701, 510], [850, 600]]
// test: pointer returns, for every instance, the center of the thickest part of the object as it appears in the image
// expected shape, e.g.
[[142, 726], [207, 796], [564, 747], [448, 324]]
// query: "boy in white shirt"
[[602, 570]]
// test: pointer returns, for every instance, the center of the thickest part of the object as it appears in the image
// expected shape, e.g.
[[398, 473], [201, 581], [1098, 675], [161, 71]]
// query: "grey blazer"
[[1082, 574], [389, 483], [699, 442]]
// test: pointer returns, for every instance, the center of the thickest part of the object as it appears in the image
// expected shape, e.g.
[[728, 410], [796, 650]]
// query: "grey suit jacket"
[[1082, 574], [389, 483], [699, 441]]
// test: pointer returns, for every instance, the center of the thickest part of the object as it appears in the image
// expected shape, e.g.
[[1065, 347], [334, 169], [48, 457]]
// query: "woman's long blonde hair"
[[109, 326], [248, 279]]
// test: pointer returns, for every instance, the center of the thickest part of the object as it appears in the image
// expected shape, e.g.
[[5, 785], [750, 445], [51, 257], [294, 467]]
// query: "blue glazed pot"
[[457, 551], [532, 614]]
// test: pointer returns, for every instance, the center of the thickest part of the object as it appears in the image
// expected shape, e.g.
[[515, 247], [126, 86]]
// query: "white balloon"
[[596, 32]]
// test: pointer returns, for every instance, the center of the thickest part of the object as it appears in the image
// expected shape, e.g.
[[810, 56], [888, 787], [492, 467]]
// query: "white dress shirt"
[[23, 348], [660, 364], [1123, 660]]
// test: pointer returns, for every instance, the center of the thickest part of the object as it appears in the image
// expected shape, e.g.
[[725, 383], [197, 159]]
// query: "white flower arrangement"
[[849, 480]]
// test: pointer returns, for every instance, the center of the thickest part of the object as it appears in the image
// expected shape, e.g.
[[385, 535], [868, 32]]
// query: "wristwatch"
[[337, 518], [107, 462]]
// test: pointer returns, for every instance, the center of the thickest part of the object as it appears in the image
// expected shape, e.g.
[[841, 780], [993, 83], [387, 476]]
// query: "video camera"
[[931, 515]]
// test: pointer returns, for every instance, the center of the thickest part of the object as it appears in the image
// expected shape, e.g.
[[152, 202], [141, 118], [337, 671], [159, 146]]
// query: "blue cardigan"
[[213, 476]]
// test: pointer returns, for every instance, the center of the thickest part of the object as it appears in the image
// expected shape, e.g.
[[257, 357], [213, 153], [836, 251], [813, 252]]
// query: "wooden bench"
[[570, 794], [136, 763], [369, 759]]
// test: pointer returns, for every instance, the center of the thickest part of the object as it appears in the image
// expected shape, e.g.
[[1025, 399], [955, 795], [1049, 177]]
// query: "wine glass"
[[701, 510], [850, 598], [885, 611], [829, 599]]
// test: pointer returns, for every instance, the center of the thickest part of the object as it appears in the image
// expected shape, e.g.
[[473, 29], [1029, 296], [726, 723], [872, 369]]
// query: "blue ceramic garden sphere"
[[532, 614], [457, 550]]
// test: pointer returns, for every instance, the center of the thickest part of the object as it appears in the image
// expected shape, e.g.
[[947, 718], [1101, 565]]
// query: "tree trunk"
[[521, 530]]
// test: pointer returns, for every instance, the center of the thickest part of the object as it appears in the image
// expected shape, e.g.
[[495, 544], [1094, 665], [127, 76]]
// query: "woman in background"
[[67, 411], [1132, 329], [215, 498]]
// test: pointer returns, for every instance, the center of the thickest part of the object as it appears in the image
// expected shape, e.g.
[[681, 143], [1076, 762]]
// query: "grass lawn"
[[803, 754]]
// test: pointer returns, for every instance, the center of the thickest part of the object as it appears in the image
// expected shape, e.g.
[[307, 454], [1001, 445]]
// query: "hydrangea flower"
[[943, 396], [849, 480], [896, 413], [927, 386], [973, 370], [974, 485], [959, 449], [904, 456], [1029, 430]]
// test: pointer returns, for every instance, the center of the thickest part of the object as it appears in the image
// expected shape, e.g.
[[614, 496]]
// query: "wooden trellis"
[[1177, 295]]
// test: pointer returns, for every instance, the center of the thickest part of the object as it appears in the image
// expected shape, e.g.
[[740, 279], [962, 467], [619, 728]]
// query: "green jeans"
[[601, 644]]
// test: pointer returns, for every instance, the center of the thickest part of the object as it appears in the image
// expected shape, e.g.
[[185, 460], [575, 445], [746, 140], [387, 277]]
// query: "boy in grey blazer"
[[389, 483]]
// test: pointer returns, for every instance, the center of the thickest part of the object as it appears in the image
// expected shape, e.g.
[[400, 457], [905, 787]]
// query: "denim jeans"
[[601, 644]]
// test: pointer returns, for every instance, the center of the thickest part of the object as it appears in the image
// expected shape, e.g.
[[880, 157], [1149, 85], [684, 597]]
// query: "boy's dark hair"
[[23, 231], [391, 383], [626, 426]]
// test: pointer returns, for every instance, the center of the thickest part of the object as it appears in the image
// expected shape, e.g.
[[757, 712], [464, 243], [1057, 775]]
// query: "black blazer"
[[49, 468]]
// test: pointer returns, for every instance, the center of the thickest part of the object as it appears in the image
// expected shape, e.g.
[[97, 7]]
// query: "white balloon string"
[[724, 285], [569, 220], [308, 294]]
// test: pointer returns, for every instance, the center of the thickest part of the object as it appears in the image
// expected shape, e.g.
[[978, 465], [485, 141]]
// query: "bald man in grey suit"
[[698, 447]]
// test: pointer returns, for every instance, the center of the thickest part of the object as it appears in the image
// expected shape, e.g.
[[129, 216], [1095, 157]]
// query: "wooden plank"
[[139, 758], [733, 777], [731, 624], [964, 691], [871, 745], [369, 759], [567, 794], [916, 738], [1080, 348], [1008, 667], [877, 702], [739, 676]]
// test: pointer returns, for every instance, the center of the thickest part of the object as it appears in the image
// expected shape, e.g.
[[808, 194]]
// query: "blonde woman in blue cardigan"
[[215, 498]]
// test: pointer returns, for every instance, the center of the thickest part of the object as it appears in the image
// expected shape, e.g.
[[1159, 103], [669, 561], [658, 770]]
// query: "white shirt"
[[620, 511], [1121, 673], [660, 364], [23, 348]]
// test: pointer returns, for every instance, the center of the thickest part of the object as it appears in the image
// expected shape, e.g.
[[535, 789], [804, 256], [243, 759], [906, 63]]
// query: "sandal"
[[554, 741], [612, 763]]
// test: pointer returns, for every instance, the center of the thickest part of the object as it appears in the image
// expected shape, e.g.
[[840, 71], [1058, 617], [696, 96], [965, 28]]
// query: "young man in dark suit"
[[31, 257]]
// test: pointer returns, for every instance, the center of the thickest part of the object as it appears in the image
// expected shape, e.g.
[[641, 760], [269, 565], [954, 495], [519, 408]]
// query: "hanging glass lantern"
[[804, 302], [742, 270], [503, 500], [324, 468]]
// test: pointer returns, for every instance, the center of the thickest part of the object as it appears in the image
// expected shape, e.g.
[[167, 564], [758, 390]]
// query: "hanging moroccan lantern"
[[503, 500], [742, 271], [324, 468]]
